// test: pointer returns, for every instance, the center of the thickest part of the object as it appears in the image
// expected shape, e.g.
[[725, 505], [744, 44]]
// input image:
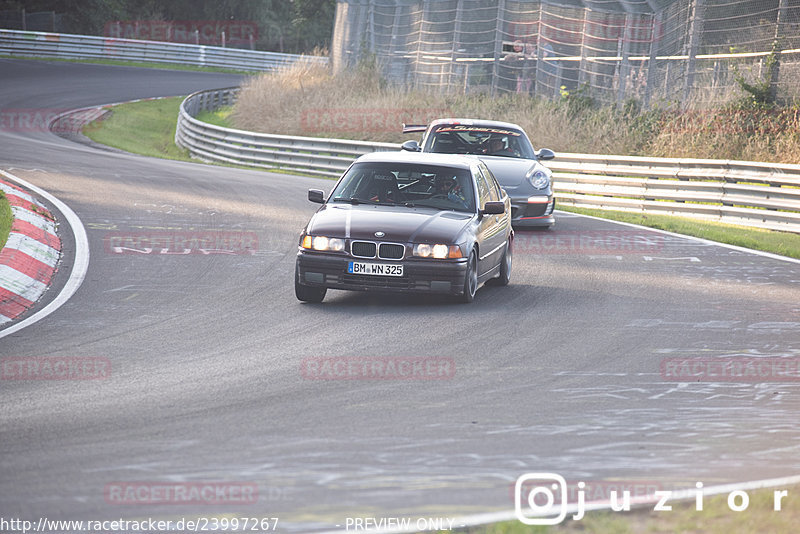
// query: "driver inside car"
[[448, 186], [497, 147]]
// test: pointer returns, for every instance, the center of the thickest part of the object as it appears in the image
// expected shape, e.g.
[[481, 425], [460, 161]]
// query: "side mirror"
[[494, 207], [545, 154], [316, 195], [411, 146]]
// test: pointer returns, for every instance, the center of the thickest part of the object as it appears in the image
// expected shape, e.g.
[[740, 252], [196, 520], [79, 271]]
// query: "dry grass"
[[731, 133], [307, 100]]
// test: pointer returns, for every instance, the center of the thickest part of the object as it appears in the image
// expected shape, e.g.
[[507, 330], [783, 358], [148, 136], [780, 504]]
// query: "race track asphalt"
[[559, 372]]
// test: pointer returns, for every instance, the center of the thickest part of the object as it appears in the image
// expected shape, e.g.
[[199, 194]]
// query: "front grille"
[[535, 210], [369, 249], [391, 251], [363, 249], [388, 282]]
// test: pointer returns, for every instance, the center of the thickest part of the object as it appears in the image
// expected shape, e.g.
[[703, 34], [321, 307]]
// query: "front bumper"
[[539, 213], [419, 275]]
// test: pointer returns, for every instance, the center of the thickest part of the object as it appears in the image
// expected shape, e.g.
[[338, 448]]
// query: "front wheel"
[[505, 265], [307, 293], [470, 278]]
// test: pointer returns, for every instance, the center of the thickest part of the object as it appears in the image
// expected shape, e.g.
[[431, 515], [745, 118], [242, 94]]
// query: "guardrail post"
[[698, 16]]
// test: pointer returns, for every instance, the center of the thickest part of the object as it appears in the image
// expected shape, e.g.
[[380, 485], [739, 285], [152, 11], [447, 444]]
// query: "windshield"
[[479, 140], [407, 184]]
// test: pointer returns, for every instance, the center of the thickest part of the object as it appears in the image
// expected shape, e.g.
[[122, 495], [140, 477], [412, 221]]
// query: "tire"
[[470, 279], [307, 293], [506, 264]]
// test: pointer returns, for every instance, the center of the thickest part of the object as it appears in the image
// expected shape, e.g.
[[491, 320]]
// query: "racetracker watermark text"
[[205, 32], [54, 368], [366, 120], [376, 368], [181, 493], [731, 369], [589, 242]]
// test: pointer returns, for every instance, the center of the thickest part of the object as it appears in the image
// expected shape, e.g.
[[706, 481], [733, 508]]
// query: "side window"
[[491, 185], [498, 191], [484, 194]]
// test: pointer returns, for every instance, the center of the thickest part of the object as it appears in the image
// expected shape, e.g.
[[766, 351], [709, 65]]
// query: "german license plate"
[[375, 269]]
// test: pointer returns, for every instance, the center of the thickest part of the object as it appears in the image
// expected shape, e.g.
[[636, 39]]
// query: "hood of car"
[[510, 172], [398, 224]]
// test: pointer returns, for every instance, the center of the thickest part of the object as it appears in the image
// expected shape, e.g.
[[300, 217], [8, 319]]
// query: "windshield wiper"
[[351, 200]]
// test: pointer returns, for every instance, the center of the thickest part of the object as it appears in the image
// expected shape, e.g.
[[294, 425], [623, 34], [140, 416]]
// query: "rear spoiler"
[[411, 128]]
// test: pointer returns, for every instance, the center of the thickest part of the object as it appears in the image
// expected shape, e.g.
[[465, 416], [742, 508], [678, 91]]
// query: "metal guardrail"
[[67, 46], [309, 155], [764, 195]]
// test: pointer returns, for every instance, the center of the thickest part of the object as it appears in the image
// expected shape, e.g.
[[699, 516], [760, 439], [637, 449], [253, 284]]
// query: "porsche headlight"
[[539, 179], [322, 243]]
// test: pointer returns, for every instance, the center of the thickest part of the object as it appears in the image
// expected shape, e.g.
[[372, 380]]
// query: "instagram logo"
[[541, 491]]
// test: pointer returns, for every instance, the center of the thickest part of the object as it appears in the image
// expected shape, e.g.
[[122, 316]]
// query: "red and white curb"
[[80, 264], [30, 256]]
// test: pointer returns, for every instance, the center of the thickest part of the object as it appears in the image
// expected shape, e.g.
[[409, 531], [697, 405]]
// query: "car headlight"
[[539, 179], [319, 242], [439, 252]]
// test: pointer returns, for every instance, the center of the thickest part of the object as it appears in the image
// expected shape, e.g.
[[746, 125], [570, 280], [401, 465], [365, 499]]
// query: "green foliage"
[[6, 219], [578, 101], [367, 75], [759, 93], [296, 26]]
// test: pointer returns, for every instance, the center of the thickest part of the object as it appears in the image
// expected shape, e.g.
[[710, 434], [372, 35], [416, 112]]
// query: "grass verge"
[[146, 128], [715, 518], [220, 117], [6, 219], [154, 122], [783, 243]]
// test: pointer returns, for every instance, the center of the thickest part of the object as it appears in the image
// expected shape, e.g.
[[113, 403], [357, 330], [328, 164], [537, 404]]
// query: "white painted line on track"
[[636, 502], [678, 495], [699, 239], [79, 267]]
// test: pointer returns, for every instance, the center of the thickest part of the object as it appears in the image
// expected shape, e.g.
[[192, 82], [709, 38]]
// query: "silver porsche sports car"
[[507, 151]]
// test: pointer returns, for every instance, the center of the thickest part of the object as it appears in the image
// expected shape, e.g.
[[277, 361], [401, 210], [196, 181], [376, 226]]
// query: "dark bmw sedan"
[[407, 222]]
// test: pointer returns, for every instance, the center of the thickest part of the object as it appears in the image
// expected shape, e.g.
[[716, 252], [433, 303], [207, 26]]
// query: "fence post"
[[539, 53], [698, 15], [783, 8], [583, 63], [624, 64], [456, 39], [371, 27], [651, 62], [420, 32], [498, 45]]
